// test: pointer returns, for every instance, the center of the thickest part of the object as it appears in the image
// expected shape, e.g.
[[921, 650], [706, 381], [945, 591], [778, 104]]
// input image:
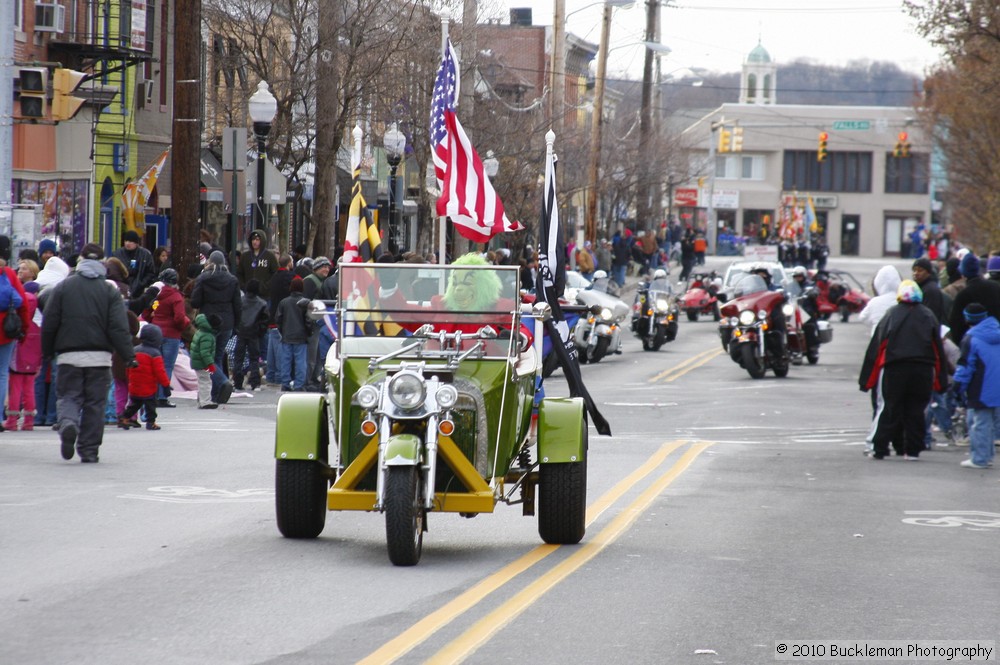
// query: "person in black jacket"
[[84, 322], [977, 290], [280, 287], [294, 330], [926, 278], [217, 292], [905, 361], [253, 317], [139, 262]]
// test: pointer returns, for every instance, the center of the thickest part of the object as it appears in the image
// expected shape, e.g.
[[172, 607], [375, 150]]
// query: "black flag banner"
[[552, 278]]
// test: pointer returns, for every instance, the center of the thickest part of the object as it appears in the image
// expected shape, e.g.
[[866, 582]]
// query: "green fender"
[[402, 450], [560, 430], [302, 431]]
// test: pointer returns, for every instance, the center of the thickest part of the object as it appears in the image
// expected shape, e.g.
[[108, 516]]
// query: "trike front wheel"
[[404, 515]]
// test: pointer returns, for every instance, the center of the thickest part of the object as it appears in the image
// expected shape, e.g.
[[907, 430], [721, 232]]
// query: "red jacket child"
[[143, 380]]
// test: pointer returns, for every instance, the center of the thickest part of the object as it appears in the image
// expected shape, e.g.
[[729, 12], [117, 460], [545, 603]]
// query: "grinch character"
[[473, 290]]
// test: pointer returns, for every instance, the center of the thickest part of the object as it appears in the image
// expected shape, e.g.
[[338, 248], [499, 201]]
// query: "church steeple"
[[759, 80]]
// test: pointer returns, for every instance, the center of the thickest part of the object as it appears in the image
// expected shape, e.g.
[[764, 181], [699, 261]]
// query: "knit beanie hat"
[[908, 291], [131, 236], [952, 269], [217, 257], [205, 249], [974, 313], [993, 265], [924, 263], [969, 267]]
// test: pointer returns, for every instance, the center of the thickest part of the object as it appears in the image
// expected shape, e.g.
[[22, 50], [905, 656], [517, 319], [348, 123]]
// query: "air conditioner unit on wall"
[[49, 17]]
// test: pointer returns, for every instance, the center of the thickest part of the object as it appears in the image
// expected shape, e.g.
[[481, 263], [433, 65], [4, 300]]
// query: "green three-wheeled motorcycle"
[[431, 406]]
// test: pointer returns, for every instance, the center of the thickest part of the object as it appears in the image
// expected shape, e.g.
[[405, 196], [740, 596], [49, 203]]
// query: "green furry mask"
[[472, 290]]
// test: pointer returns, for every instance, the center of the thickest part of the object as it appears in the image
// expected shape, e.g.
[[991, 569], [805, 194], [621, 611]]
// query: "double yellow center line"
[[683, 368], [482, 630]]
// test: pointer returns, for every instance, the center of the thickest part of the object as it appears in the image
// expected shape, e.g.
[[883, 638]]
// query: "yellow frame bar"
[[478, 499]]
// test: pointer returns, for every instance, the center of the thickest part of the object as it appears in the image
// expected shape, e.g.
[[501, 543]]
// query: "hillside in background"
[[861, 83]]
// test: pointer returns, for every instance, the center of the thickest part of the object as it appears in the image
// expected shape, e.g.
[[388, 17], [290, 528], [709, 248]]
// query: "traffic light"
[[64, 83], [902, 145], [902, 148], [737, 140], [725, 139], [821, 153], [34, 81]]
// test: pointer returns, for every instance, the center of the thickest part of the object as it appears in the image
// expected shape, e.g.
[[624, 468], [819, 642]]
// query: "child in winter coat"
[[977, 383], [253, 318], [24, 366], [203, 357], [146, 378]]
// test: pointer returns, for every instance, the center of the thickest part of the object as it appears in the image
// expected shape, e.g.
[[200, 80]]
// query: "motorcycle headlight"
[[762, 314], [367, 397], [734, 321], [447, 395], [662, 305], [747, 317], [605, 314], [407, 391], [788, 309]]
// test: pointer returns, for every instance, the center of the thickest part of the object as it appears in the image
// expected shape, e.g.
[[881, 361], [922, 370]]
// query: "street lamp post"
[[263, 107], [491, 166], [395, 145]]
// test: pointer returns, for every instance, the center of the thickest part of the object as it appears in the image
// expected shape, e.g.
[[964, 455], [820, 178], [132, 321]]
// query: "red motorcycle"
[[758, 333], [700, 297], [836, 296]]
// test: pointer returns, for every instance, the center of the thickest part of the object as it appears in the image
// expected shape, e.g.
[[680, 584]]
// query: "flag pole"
[[443, 221]]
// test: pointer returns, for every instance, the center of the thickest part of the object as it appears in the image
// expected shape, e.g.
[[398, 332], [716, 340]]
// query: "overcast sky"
[[718, 34]]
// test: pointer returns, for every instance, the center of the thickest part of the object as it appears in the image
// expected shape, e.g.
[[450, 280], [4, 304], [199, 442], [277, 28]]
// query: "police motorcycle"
[[655, 312], [430, 409], [803, 312], [600, 333], [760, 335]]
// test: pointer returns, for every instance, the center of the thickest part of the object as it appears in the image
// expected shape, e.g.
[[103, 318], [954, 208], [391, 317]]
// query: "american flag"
[[467, 195]]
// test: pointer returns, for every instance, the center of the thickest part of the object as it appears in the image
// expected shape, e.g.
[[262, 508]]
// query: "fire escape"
[[107, 41]]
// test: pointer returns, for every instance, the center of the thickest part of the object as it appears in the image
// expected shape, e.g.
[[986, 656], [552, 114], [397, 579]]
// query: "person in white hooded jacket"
[[886, 281], [55, 271]]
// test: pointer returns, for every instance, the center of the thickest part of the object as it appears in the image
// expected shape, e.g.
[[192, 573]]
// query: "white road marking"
[[193, 494]]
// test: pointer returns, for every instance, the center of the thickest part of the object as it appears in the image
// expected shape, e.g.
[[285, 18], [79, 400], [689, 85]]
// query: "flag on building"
[[551, 283], [362, 242], [467, 195], [136, 194]]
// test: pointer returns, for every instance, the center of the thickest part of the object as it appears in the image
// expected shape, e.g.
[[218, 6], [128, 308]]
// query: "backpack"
[[8, 294]]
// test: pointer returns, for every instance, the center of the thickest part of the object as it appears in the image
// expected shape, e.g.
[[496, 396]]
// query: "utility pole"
[[186, 155], [325, 232], [596, 127], [645, 191], [6, 106], [557, 78], [710, 230]]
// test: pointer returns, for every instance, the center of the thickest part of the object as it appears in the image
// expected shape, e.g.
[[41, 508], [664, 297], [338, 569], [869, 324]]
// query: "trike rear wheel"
[[562, 500], [404, 515], [300, 498]]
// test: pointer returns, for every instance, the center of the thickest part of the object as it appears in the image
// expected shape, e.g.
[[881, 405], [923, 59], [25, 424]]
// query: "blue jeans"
[[45, 394], [6, 351], [939, 411], [293, 355], [273, 356], [984, 427], [171, 347], [219, 377], [618, 273]]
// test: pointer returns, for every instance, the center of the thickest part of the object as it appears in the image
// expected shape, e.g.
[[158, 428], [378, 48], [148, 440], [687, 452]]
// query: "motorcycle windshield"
[[396, 300], [661, 286], [748, 285]]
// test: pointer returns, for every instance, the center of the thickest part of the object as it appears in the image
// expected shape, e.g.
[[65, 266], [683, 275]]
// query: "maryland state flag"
[[137, 193], [362, 243]]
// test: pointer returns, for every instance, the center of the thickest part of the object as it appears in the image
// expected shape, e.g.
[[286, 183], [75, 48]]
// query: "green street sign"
[[851, 125]]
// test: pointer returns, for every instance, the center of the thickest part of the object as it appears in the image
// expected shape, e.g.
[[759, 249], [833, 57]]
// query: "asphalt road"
[[727, 515]]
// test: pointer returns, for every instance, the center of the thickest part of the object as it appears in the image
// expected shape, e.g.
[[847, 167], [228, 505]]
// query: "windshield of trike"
[[397, 300]]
